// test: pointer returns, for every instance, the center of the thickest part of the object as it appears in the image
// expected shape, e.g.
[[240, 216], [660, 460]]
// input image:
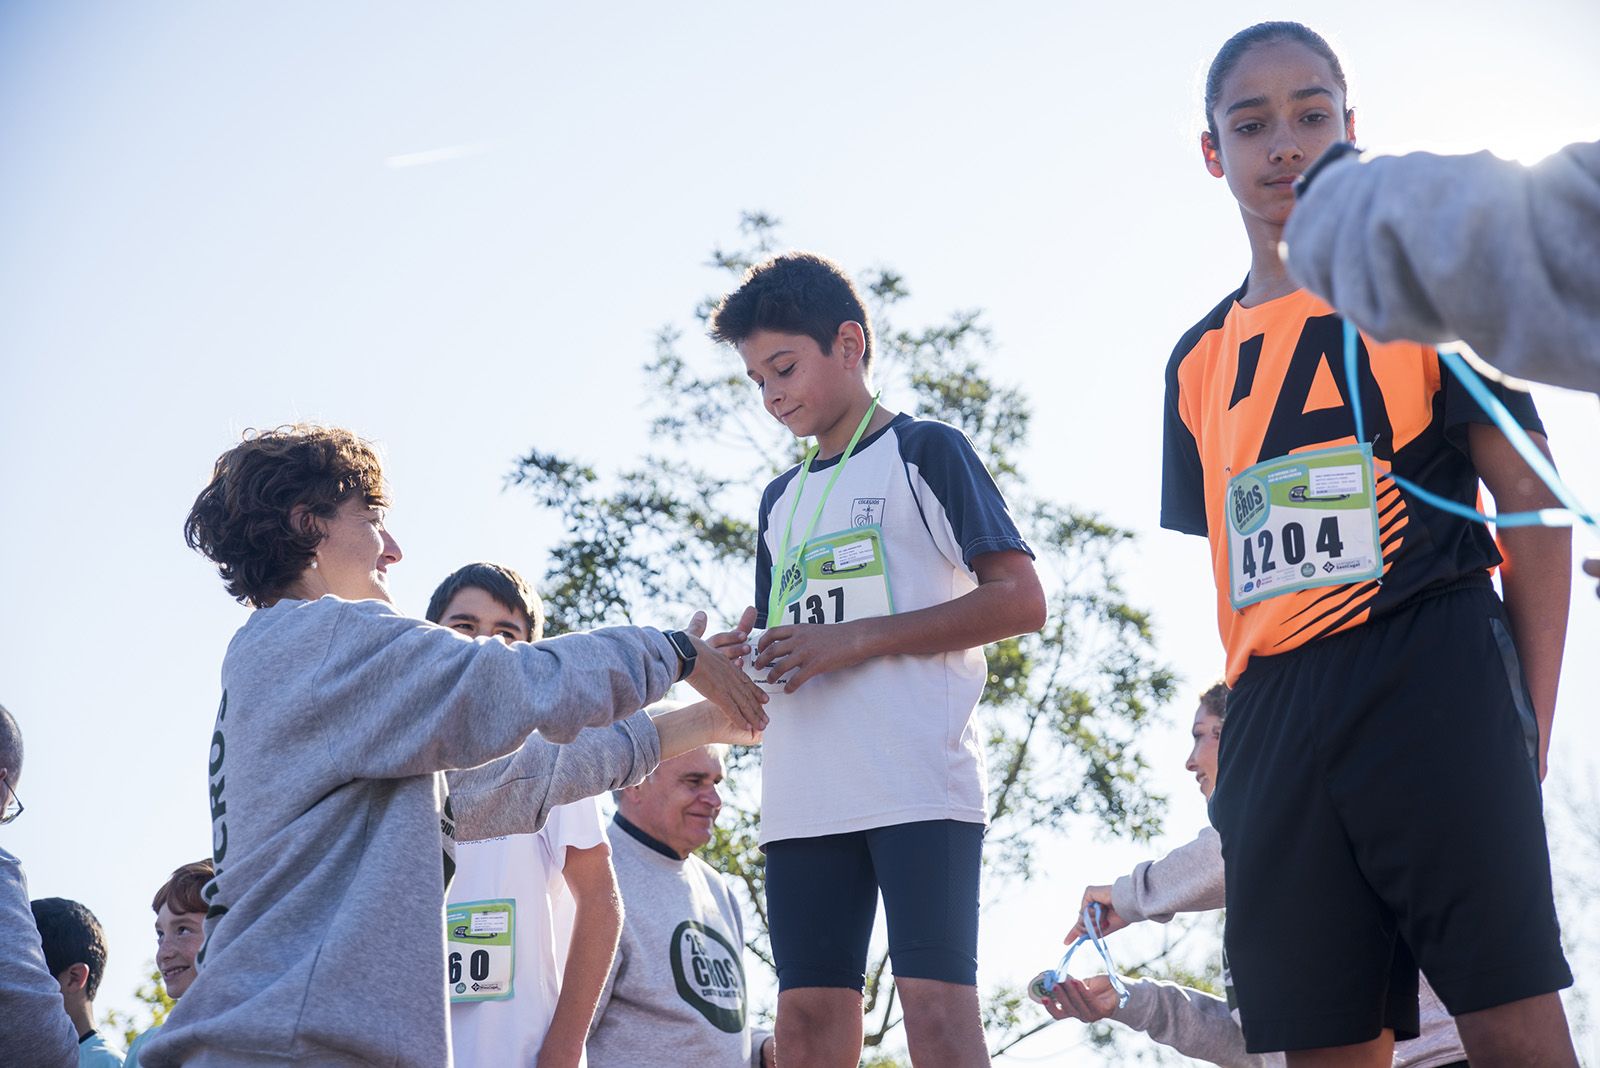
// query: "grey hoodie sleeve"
[[1194, 1023], [1434, 248], [1188, 879], [514, 794], [35, 1031], [396, 697]]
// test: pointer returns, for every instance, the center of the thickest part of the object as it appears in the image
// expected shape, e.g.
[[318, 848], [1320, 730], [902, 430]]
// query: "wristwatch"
[[1336, 151], [686, 652]]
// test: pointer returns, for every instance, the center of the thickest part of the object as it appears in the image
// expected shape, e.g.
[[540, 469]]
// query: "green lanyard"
[[781, 586]]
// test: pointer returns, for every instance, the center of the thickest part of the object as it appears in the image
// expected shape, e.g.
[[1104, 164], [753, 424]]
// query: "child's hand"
[[733, 644], [800, 651], [1109, 918], [1088, 1000], [723, 683]]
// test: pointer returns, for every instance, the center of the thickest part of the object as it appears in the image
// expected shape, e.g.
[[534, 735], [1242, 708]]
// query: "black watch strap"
[[686, 652], [1336, 151]]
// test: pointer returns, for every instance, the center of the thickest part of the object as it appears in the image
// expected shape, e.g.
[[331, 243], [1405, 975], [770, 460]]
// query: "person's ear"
[[302, 521], [74, 978], [850, 342], [1350, 125], [1209, 153]]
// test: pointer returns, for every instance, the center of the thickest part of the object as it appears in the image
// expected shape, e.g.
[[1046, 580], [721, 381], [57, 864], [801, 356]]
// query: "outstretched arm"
[[1188, 879], [1433, 248], [1194, 1023]]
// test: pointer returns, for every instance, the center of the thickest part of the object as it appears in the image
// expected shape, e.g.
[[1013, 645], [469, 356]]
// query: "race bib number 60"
[[480, 946], [1304, 520]]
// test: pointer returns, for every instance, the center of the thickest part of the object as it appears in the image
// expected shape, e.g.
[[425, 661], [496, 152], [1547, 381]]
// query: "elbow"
[[1032, 610]]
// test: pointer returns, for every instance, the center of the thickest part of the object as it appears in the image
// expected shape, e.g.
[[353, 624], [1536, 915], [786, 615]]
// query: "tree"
[[153, 994], [1062, 708]]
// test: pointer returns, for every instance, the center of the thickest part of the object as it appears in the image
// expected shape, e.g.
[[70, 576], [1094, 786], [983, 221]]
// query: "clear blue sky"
[[456, 228]]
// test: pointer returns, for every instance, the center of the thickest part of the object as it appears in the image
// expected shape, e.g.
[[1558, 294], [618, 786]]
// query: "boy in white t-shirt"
[[539, 1014], [884, 564]]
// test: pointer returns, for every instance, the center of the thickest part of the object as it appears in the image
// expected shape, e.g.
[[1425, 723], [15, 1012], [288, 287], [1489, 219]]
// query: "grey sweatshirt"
[[1200, 1025], [330, 831], [35, 1031], [514, 794], [1435, 248], [676, 993]]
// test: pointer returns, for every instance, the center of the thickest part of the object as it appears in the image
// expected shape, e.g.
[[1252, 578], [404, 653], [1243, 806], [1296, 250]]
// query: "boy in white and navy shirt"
[[884, 564]]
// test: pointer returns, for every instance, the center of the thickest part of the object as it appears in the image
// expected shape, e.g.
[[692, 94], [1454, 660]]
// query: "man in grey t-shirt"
[[678, 979]]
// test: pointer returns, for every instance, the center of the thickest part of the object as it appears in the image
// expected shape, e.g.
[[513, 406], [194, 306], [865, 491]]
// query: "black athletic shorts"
[[1378, 801], [822, 896]]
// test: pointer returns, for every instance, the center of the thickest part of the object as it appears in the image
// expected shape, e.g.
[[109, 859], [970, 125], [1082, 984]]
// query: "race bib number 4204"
[[1304, 520]]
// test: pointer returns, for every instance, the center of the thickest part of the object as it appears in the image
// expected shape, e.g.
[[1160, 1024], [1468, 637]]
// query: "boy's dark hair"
[[795, 293], [1261, 33], [501, 583], [182, 891], [10, 744], [71, 935], [1215, 700], [240, 521]]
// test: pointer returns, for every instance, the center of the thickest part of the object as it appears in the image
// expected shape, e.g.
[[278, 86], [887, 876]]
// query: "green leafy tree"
[[676, 531], [152, 994]]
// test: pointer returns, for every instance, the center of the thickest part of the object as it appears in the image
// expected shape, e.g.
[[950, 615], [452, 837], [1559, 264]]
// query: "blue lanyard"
[[1572, 514], [1091, 933]]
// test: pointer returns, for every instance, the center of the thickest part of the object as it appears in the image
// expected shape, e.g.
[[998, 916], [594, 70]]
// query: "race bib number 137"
[[1304, 520], [843, 576]]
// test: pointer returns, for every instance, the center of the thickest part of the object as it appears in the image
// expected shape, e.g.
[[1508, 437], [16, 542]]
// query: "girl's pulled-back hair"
[[1261, 33], [240, 521], [182, 892]]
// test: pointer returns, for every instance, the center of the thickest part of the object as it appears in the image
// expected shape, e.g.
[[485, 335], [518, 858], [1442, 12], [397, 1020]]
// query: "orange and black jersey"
[[1246, 385]]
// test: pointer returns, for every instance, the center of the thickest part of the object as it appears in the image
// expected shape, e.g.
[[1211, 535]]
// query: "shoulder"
[[713, 878], [929, 438], [942, 454], [1190, 341], [775, 488], [98, 1053]]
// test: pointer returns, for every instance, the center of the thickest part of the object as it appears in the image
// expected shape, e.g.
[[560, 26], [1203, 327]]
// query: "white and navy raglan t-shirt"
[[891, 740]]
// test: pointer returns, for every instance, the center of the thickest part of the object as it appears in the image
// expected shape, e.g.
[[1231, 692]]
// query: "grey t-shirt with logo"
[[677, 983]]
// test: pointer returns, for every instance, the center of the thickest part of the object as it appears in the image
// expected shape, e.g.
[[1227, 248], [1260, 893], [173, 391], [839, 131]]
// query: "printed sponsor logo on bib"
[[708, 974]]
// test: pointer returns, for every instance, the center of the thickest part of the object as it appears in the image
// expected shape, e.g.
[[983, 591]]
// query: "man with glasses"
[[37, 1032]]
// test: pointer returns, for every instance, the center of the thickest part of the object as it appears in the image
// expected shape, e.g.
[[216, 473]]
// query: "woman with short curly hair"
[[332, 830]]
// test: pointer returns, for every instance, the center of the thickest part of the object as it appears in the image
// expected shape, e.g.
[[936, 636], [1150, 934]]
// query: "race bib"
[[1309, 519], [840, 577], [481, 953]]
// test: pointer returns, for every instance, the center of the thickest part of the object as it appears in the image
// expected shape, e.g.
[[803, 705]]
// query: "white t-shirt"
[[892, 740], [525, 868]]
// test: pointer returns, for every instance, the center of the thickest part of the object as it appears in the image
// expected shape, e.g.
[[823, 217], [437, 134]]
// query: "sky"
[[456, 230]]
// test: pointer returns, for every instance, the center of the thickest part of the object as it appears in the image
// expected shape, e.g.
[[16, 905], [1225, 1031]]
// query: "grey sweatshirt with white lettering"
[[331, 831], [1439, 248]]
